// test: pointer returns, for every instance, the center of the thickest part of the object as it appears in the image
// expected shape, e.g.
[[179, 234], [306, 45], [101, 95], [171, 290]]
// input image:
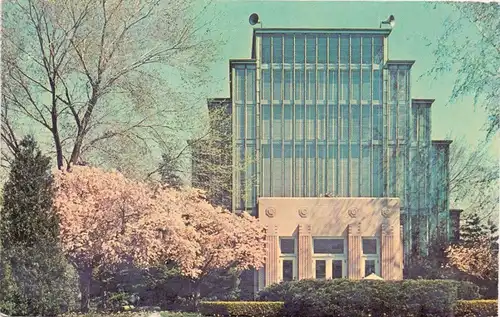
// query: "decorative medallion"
[[386, 212], [270, 212], [353, 212], [303, 212]]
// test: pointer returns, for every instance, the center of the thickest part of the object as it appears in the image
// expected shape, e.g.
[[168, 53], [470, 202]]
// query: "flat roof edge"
[[242, 61], [400, 62], [323, 30], [442, 141]]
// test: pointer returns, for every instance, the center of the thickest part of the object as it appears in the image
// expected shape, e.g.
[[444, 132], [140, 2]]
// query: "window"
[[321, 50], [250, 121], [378, 50], [356, 49], [288, 270], [288, 85], [299, 49], [355, 120], [332, 86], [345, 122], [288, 49], [320, 269], [337, 269], [366, 91], [311, 84], [333, 51], [328, 246], [344, 85], [367, 50], [369, 246], [311, 49], [277, 49], [402, 85], [287, 245], [356, 84], [277, 112], [370, 267], [240, 85], [365, 172], [354, 170], [394, 85], [344, 49], [277, 84], [266, 49], [250, 82], [377, 85], [299, 85], [266, 121], [377, 122], [366, 123], [266, 84], [321, 85]]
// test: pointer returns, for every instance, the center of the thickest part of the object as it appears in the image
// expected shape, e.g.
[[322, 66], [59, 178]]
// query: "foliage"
[[255, 309], [170, 169], [342, 297], [105, 78], [133, 314], [35, 277], [107, 219], [476, 258], [476, 57], [26, 216], [476, 308], [474, 230]]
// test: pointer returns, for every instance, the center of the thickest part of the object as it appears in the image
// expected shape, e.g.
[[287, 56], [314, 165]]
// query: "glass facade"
[[326, 113]]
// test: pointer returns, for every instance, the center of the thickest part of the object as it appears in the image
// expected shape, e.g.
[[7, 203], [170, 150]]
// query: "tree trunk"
[[196, 295], [85, 276]]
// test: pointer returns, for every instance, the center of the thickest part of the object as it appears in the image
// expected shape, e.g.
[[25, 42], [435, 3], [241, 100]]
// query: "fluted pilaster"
[[272, 256], [354, 248], [305, 252]]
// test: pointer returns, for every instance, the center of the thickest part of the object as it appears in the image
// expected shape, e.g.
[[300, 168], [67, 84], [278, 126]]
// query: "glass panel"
[[345, 122], [344, 85], [367, 50], [287, 270], [333, 122], [378, 50], [355, 170], [321, 49], [299, 170], [299, 84], [266, 121], [277, 49], [287, 245], [311, 49], [266, 169], [299, 122], [377, 85], [332, 86], [369, 267], [288, 85], [377, 122], [250, 121], [355, 120], [277, 112], [311, 84], [343, 180], [288, 114], [330, 246], [299, 49], [331, 168], [378, 174], [321, 121], [369, 246], [365, 172], [356, 84], [356, 49], [311, 169], [333, 52], [250, 85], [289, 49], [277, 172], [240, 121], [366, 85], [320, 269], [277, 84], [311, 122], [366, 122], [266, 49], [266, 84], [321, 84], [344, 49], [240, 85], [402, 85], [337, 269], [394, 86]]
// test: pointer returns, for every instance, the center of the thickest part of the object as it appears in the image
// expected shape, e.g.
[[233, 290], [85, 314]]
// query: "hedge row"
[[351, 298], [253, 309], [476, 308]]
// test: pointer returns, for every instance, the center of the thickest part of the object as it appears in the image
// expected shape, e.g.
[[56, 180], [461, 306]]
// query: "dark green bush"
[[319, 298], [476, 308], [239, 309], [467, 290]]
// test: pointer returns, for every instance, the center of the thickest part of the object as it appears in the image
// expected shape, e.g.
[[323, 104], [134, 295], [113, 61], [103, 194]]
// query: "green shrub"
[[319, 298], [253, 309], [467, 290], [476, 308]]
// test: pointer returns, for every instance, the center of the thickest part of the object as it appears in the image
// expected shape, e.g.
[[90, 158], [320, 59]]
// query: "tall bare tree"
[[476, 57], [98, 74]]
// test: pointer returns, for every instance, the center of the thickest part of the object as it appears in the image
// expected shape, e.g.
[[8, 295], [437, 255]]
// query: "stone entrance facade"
[[330, 238]]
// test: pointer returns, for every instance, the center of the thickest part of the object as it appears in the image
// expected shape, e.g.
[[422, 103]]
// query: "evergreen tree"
[[473, 229], [169, 170], [27, 215], [33, 273]]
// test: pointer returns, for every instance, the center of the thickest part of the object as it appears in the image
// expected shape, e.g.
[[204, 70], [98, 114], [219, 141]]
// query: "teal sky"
[[417, 24]]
